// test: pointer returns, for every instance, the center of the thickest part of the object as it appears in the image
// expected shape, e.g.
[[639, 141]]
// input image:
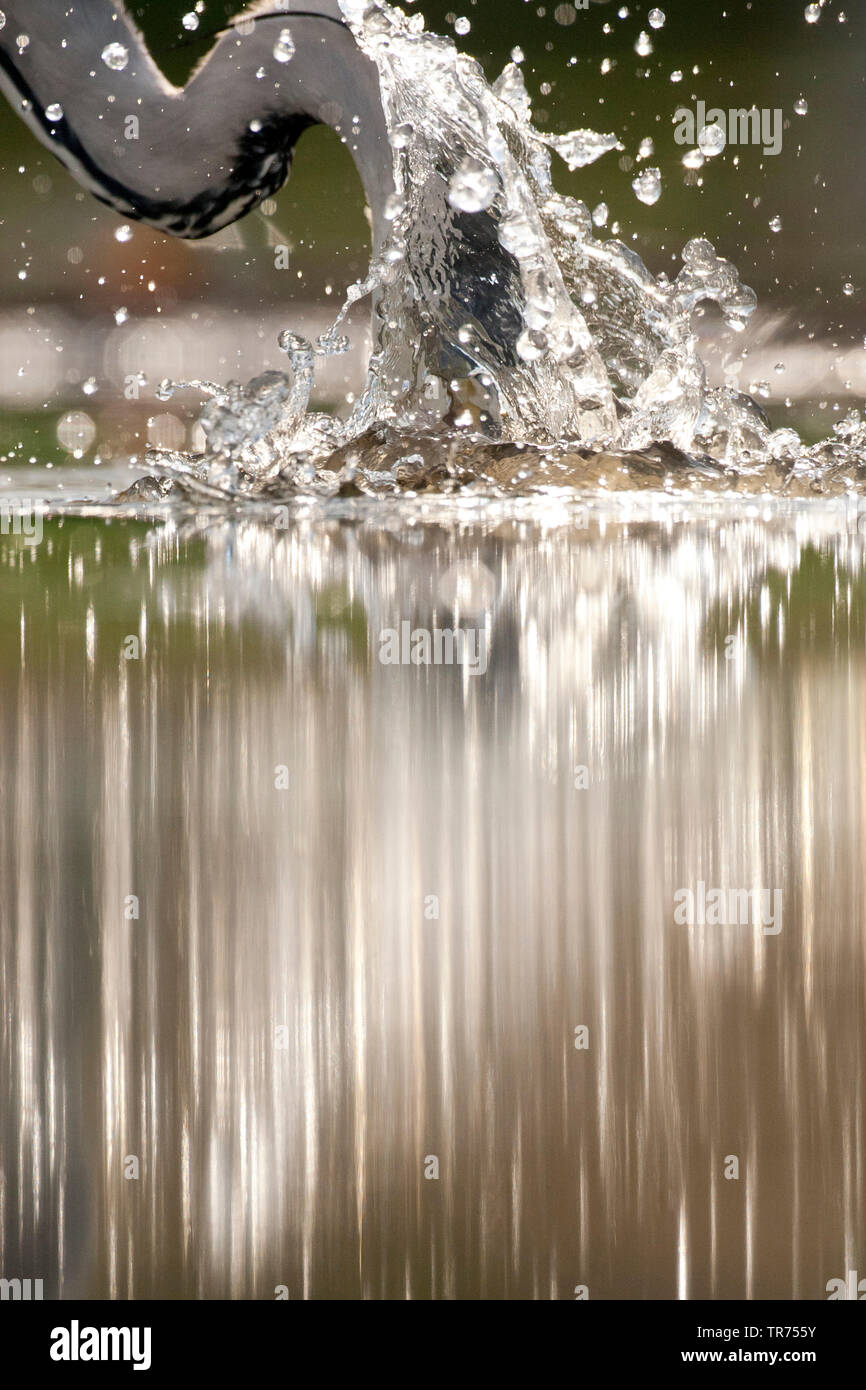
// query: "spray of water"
[[514, 346]]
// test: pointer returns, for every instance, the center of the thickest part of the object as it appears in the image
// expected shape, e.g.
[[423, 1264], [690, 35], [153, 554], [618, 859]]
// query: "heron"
[[191, 160]]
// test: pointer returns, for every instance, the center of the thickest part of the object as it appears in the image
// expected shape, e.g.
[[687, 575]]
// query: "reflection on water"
[[375, 903]]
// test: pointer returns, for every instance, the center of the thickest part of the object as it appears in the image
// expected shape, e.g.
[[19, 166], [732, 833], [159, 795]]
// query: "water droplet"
[[394, 205], [848, 288], [656, 18], [676, 75], [190, 21], [2, 20], [600, 214], [123, 233], [22, 42], [775, 224], [648, 186], [473, 187], [693, 159], [531, 345], [76, 432], [255, 126], [462, 26], [120, 316], [90, 386], [801, 106], [517, 55], [401, 137], [581, 147], [115, 56], [813, 14], [54, 112], [284, 48], [712, 140], [645, 148], [644, 45]]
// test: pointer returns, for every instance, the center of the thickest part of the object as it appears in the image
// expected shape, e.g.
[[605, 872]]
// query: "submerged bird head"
[[191, 160]]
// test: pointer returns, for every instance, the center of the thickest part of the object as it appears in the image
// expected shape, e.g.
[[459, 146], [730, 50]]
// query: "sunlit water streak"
[[408, 1036]]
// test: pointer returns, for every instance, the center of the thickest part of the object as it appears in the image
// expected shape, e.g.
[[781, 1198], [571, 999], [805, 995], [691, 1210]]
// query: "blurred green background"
[[60, 252]]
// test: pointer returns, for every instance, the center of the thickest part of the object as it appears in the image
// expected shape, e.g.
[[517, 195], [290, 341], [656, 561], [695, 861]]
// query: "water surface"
[[376, 902]]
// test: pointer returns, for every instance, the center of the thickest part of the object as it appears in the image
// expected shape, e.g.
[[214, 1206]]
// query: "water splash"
[[503, 317], [115, 56]]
